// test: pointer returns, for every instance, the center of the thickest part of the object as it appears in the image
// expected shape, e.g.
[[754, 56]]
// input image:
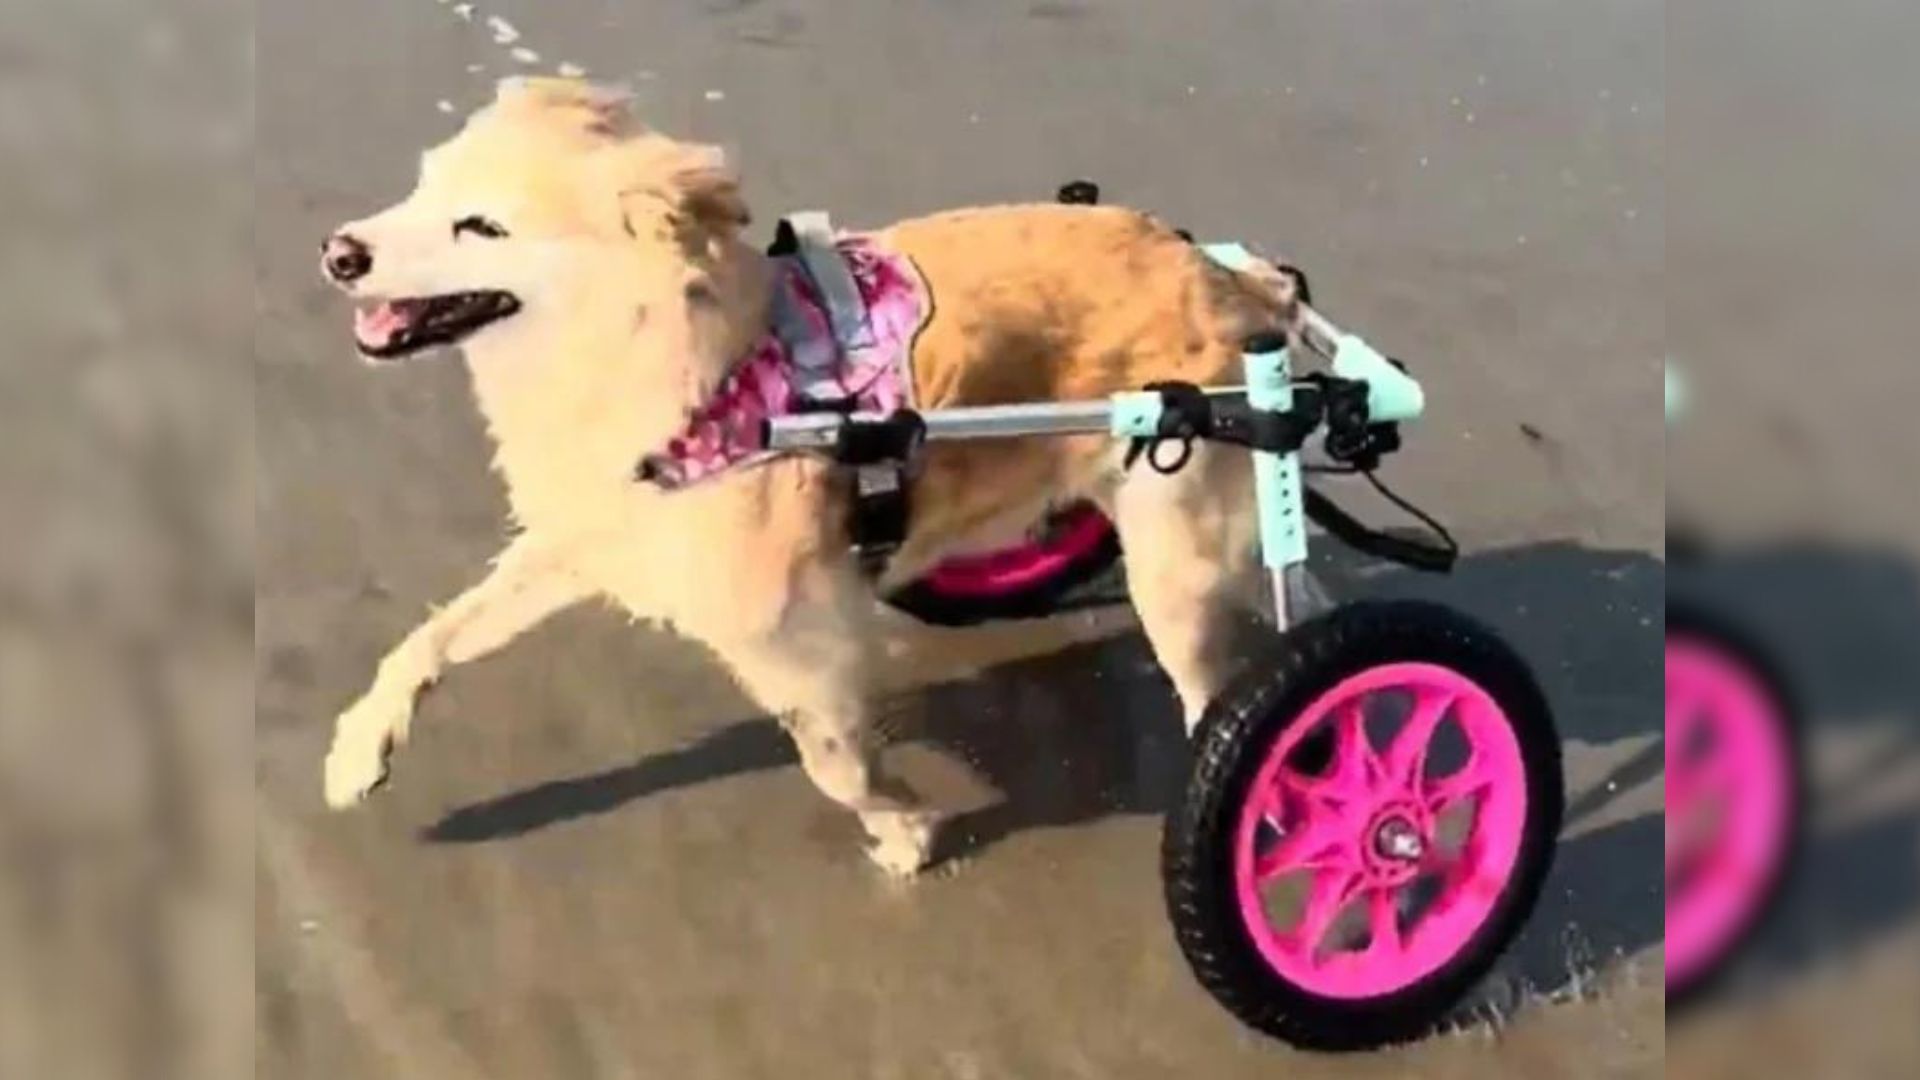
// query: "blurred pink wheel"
[[1368, 826], [1733, 794]]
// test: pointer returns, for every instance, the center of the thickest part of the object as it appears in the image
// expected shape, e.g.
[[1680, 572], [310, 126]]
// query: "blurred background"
[[126, 560], [216, 520], [1791, 252]]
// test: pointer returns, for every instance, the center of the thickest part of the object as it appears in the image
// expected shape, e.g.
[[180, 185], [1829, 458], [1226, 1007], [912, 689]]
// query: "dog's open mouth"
[[394, 328]]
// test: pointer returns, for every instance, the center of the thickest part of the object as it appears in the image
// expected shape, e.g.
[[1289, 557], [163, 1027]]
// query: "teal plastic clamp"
[[1135, 414], [1276, 477], [1233, 256], [1392, 394]]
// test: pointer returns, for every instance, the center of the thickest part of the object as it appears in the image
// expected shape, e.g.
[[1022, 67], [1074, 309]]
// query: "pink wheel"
[[1026, 580], [1732, 796], [1368, 827], [1358, 840]]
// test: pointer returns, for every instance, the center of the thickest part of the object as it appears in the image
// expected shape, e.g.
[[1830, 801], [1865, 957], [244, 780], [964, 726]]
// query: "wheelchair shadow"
[[1843, 627], [1092, 731], [1584, 620]]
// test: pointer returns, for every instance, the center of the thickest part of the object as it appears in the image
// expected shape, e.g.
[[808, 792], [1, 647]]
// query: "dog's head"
[[551, 190]]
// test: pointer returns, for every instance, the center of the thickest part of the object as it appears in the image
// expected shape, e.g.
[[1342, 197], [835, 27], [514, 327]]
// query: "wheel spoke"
[[1683, 705], [1270, 804], [1464, 878], [1326, 898], [1407, 758], [1702, 776], [1383, 919], [1314, 845], [1451, 788], [1355, 765]]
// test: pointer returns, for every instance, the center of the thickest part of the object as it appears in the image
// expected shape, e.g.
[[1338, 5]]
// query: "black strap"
[[877, 519], [1349, 530], [896, 439], [883, 454]]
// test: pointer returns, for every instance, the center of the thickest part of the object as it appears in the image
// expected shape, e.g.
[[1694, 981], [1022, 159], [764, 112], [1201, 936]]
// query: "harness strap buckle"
[[877, 523]]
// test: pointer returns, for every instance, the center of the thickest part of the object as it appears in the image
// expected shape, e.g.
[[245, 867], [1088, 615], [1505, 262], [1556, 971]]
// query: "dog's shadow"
[[743, 747], [1093, 731]]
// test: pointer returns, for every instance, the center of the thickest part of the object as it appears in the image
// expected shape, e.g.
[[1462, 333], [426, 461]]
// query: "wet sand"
[[597, 859]]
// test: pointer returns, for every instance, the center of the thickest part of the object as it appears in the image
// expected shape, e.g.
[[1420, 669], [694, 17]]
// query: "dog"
[[594, 273]]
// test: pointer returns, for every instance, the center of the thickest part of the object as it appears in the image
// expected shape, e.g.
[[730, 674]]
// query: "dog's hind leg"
[[1187, 539], [811, 674]]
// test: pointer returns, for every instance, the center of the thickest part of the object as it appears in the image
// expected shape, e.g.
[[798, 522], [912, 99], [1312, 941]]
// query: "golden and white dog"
[[595, 275]]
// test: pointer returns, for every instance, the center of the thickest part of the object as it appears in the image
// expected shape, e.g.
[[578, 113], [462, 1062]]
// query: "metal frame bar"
[[817, 431], [1125, 415], [1278, 485]]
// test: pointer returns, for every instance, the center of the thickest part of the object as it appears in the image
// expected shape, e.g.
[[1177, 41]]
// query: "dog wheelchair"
[[1734, 775], [1372, 808]]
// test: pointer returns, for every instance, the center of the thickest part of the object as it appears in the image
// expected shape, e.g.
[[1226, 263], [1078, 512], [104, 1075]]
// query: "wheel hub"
[[1395, 844], [1396, 838]]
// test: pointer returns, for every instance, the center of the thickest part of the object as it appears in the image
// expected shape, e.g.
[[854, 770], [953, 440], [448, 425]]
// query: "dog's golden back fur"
[[1056, 303], [1063, 303]]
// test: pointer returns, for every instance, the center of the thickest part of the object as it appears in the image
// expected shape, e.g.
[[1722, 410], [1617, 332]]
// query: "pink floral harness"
[[845, 313]]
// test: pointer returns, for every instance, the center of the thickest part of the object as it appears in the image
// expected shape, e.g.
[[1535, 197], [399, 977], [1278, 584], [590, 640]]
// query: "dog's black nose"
[[345, 258]]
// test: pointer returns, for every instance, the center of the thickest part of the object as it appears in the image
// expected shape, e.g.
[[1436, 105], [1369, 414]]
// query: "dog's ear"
[[602, 109], [707, 191], [688, 194]]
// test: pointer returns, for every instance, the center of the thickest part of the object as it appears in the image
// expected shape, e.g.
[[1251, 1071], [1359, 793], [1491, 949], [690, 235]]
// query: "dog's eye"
[[480, 226]]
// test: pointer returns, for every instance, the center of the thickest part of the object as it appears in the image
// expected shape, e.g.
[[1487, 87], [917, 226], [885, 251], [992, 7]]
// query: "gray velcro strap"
[[845, 309]]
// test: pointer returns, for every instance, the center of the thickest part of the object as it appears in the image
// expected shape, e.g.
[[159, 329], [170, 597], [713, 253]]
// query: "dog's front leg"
[[529, 581], [813, 681]]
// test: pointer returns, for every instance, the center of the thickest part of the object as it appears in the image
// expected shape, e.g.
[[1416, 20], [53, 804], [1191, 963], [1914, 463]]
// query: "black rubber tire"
[[1233, 739], [1688, 619], [929, 604]]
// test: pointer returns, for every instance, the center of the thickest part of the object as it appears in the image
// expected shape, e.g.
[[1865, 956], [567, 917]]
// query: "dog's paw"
[[902, 841], [357, 764], [353, 772]]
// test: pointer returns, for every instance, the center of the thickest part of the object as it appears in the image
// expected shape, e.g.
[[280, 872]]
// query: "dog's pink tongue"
[[377, 325]]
